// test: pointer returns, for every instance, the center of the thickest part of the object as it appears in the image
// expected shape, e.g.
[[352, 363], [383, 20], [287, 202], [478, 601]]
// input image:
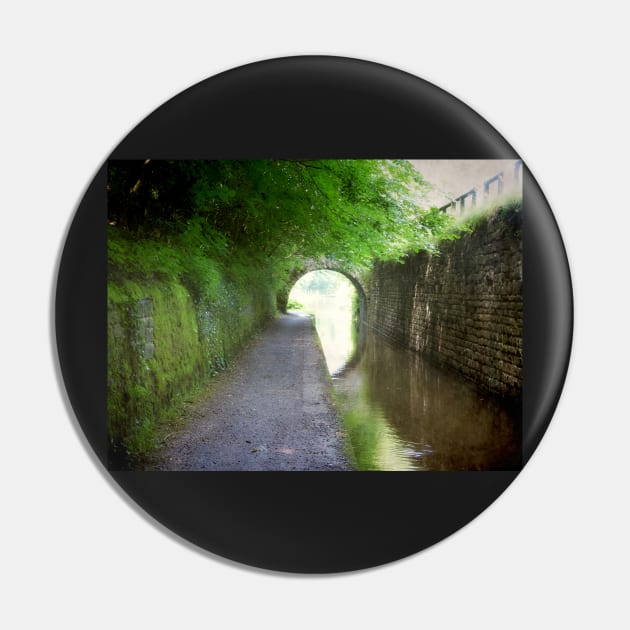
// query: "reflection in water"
[[333, 320], [402, 413]]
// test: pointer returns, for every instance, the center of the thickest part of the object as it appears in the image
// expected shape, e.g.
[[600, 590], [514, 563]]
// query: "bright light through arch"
[[333, 301]]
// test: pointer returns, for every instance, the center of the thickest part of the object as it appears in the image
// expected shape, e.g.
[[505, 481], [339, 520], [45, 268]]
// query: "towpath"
[[271, 410]]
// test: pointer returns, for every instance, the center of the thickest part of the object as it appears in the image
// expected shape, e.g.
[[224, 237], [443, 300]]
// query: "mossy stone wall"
[[165, 340]]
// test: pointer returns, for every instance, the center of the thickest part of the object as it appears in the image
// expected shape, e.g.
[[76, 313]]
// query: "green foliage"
[[506, 210], [321, 281], [350, 211]]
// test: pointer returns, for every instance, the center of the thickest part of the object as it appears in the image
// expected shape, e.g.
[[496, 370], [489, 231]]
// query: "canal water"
[[402, 413]]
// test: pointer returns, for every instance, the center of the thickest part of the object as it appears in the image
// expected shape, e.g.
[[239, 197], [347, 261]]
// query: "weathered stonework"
[[463, 308], [145, 327]]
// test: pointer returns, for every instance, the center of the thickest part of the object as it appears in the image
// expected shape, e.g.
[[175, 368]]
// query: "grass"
[[501, 207]]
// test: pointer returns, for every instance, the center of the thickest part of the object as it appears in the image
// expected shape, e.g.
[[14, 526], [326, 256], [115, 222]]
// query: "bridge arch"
[[324, 265]]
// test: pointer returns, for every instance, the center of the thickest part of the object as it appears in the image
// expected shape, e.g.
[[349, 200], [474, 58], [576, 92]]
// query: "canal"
[[400, 412]]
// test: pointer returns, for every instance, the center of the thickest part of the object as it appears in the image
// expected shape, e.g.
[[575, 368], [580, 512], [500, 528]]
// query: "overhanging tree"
[[349, 211]]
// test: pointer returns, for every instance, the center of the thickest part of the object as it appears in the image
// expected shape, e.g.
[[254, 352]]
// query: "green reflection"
[[371, 442]]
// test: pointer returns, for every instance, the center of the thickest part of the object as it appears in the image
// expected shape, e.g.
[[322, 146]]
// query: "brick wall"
[[462, 309]]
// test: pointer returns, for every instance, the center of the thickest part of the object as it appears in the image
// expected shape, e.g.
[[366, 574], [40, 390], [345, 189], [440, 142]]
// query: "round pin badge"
[[313, 314]]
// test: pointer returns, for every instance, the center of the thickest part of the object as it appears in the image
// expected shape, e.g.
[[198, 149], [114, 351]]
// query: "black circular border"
[[315, 107]]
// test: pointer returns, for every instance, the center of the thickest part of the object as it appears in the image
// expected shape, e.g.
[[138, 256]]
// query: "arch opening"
[[337, 304]]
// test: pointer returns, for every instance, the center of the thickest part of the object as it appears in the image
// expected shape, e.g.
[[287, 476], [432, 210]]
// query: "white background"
[[553, 551]]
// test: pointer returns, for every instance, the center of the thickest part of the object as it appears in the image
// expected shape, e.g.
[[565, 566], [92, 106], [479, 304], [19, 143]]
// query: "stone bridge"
[[308, 265], [463, 308]]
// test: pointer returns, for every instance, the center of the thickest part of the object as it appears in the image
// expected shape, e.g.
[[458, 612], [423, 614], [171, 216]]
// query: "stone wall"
[[463, 309], [164, 341]]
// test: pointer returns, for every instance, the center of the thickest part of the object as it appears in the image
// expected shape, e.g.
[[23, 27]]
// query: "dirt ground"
[[271, 410]]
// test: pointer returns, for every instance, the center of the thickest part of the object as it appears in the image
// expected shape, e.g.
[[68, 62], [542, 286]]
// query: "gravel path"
[[271, 410]]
